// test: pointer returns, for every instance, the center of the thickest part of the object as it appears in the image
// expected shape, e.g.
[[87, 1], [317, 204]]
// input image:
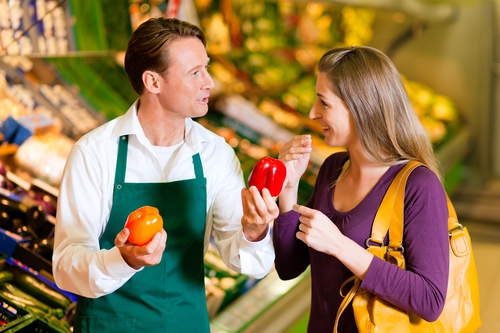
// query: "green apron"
[[168, 297]]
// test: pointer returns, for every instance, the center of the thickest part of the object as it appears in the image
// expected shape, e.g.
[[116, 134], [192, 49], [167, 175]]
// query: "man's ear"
[[151, 81]]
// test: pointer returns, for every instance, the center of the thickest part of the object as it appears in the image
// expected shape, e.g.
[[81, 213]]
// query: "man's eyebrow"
[[199, 66]]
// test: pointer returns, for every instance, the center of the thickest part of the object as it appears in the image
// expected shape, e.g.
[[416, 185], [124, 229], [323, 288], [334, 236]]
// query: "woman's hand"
[[317, 230], [295, 154], [258, 212], [139, 256], [322, 235]]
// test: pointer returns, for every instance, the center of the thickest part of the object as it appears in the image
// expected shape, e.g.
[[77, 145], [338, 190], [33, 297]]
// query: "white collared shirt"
[[85, 200]]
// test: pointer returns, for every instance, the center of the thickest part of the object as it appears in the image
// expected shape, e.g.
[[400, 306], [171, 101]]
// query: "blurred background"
[[61, 75]]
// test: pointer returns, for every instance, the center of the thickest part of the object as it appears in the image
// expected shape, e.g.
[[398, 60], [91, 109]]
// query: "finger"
[[122, 237], [302, 210], [244, 199], [305, 211], [252, 200], [296, 141], [301, 236], [301, 138], [297, 154], [270, 201], [306, 140], [161, 238], [155, 248], [303, 228], [266, 195], [259, 205], [253, 192], [301, 141], [153, 245]]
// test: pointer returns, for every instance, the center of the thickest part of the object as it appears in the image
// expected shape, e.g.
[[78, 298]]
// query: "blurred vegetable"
[[43, 292]]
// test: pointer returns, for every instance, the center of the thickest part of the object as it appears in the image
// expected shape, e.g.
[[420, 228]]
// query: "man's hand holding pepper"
[[258, 211], [139, 256]]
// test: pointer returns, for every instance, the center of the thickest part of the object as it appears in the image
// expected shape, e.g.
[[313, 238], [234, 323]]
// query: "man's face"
[[186, 87]]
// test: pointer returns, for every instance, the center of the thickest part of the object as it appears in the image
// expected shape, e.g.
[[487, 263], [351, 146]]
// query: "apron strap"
[[198, 168], [121, 162]]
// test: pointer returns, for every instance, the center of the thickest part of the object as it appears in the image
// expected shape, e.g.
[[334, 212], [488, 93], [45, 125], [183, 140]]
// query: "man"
[[156, 155]]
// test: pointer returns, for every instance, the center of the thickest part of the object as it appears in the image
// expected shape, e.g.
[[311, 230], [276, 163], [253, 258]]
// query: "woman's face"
[[333, 115]]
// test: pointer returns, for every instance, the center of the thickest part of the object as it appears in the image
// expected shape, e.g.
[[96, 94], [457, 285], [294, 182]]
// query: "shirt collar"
[[129, 124]]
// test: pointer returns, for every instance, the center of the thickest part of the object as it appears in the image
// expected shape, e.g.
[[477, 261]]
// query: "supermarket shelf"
[[425, 11], [69, 54], [271, 306]]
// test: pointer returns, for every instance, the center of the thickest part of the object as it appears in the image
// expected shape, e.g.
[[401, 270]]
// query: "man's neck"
[[159, 126]]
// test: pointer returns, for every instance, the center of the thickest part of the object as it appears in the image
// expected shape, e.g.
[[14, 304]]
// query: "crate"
[[30, 324], [11, 313]]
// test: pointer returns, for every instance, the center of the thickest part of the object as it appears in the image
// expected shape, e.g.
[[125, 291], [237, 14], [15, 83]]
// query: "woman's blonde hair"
[[373, 90]]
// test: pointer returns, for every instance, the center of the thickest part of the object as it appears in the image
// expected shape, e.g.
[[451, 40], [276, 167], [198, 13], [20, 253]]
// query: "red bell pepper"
[[143, 224], [268, 173]]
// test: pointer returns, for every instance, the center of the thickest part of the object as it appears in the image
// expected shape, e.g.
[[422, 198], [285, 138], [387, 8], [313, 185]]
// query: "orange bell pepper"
[[143, 224]]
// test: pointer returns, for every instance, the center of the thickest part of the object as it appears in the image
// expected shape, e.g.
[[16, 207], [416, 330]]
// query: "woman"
[[363, 106]]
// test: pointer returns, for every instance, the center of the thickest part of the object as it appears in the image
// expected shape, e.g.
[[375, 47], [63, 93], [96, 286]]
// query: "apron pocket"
[[92, 324]]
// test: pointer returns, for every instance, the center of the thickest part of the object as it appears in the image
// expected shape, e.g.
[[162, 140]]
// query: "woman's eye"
[[323, 103]]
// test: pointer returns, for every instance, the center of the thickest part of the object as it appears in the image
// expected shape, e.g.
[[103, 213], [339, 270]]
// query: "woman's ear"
[[151, 81]]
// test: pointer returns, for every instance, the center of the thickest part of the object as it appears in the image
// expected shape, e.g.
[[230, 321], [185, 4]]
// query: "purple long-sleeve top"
[[420, 289]]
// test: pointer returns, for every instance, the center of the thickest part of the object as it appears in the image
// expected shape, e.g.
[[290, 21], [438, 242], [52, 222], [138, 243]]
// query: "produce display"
[[268, 173], [269, 60], [23, 297], [51, 34], [33, 88], [263, 56], [143, 224], [437, 112], [44, 156]]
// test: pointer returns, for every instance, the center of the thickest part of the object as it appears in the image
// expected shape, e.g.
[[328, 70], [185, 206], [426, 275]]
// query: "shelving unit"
[[419, 9]]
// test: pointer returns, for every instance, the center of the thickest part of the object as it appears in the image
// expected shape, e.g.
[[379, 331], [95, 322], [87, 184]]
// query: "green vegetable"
[[19, 301], [33, 302], [6, 276], [56, 323], [42, 291], [36, 311]]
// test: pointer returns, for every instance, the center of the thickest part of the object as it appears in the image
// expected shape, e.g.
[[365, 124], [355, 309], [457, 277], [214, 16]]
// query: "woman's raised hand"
[[295, 154]]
